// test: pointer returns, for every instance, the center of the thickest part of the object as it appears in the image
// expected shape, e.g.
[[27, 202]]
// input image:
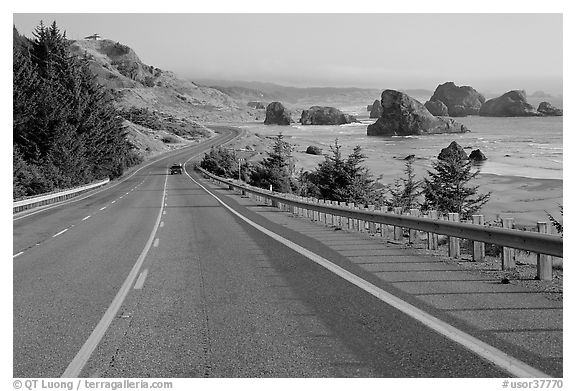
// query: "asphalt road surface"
[[153, 277]]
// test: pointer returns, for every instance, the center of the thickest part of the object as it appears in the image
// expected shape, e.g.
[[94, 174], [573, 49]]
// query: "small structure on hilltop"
[[94, 37]]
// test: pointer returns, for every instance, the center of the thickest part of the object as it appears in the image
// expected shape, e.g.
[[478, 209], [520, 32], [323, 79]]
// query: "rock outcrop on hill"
[[405, 116], [511, 104], [460, 101], [454, 149], [323, 115], [277, 114], [437, 108], [376, 110], [547, 109], [477, 156]]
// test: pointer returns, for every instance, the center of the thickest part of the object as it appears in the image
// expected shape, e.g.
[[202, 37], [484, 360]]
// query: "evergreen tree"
[[276, 169], [65, 124], [446, 189], [406, 191], [345, 180]]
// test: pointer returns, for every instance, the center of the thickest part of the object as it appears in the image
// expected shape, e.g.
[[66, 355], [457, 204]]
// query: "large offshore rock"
[[547, 109], [437, 108], [511, 104], [376, 110], [277, 114], [323, 115], [454, 149], [313, 150], [460, 101], [477, 156], [405, 116]]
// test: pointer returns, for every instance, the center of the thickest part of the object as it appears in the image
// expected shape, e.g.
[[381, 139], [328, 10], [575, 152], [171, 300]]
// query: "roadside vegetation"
[[347, 179], [66, 132]]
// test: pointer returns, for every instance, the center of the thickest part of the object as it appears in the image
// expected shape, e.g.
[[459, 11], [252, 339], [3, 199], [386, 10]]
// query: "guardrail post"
[[508, 261], [350, 221], [331, 215], [544, 262], [312, 213], [338, 217], [381, 226], [398, 231], [479, 252], [359, 223], [371, 224], [433, 237], [454, 243], [413, 233], [324, 214]]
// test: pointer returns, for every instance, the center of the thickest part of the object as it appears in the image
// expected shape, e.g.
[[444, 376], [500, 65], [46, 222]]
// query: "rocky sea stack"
[[405, 116], [376, 109], [477, 156], [322, 115], [460, 101], [313, 150], [511, 104], [437, 108], [455, 150], [547, 109], [277, 114]]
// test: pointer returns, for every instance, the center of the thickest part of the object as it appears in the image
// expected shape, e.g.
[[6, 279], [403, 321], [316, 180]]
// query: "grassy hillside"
[[138, 86]]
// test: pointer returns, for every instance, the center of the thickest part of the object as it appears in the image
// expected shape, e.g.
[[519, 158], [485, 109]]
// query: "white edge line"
[[141, 278], [60, 233], [488, 352], [86, 218], [83, 355], [17, 254]]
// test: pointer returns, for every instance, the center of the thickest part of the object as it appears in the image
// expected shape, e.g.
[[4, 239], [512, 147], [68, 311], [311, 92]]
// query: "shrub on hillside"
[[220, 161]]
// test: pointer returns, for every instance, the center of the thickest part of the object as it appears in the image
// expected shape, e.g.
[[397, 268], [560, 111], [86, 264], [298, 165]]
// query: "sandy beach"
[[525, 199]]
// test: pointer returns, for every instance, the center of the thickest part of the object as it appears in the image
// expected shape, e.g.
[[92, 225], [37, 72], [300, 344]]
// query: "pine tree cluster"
[[66, 131]]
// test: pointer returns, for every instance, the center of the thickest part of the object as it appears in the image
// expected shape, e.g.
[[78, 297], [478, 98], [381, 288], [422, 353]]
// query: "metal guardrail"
[[529, 241], [21, 205]]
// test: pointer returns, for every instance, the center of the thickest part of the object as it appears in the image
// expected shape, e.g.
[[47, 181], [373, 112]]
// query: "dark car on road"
[[176, 169]]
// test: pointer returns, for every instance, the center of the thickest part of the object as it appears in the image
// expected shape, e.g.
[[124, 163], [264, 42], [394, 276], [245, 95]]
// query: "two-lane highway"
[[167, 282], [71, 260]]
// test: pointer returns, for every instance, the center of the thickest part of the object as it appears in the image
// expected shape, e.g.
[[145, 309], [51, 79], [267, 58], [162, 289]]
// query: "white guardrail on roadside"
[[21, 205], [540, 243]]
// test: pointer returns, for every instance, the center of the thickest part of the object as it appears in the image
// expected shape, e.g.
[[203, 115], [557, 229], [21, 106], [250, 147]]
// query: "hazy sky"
[[491, 52]]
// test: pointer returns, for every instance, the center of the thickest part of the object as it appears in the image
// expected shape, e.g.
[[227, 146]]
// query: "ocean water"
[[522, 147], [517, 149]]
